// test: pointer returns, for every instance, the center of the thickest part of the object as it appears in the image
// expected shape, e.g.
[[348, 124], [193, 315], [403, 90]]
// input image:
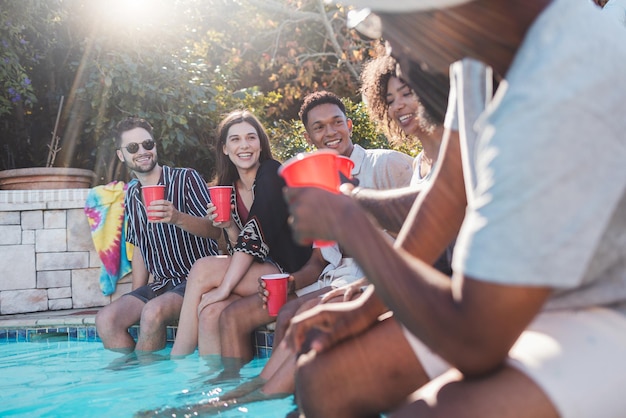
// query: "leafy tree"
[[181, 64], [295, 47], [25, 29]]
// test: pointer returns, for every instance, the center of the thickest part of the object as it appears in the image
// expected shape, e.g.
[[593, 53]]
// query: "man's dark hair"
[[128, 124], [319, 98]]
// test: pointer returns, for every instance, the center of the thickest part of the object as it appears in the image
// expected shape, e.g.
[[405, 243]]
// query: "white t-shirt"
[[549, 204], [375, 169], [618, 9], [381, 168]]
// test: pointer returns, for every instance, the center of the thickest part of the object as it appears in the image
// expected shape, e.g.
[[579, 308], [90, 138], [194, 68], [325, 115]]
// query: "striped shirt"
[[169, 251]]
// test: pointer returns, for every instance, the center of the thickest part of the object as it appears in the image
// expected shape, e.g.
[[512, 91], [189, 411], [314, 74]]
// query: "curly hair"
[[318, 98], [374, 79]]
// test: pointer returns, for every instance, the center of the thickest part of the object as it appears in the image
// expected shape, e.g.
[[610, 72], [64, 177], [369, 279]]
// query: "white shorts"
[[345, 273], [577, 357]]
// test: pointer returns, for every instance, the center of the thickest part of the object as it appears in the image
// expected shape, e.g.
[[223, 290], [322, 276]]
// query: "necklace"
[[241, 185]]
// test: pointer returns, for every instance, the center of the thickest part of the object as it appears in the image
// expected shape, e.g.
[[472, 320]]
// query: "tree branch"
[[333, 39]]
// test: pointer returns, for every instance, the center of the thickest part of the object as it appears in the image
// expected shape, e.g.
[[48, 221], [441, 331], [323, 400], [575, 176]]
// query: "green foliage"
[[24, 36], [288, 136], [287, 139], [22, 27], [181, 64]]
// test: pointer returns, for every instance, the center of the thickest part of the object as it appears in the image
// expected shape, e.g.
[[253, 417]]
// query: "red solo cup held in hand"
[[276, 285], [151, 193], [345, 166], [220, 197], [312, 169]]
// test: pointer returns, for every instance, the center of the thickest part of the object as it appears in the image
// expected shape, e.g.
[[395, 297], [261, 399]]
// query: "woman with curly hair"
[[403, 115]]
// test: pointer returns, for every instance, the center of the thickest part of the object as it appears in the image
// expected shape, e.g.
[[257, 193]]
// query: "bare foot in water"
[[244, 388], [212, 407]]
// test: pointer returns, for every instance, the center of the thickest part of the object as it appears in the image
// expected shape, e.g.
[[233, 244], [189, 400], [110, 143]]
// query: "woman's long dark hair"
[[226, 172]]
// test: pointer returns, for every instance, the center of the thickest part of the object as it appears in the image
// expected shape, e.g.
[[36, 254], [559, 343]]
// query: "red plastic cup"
[[345, 166], [151, 193], [220, 197], [276, 285], [313, 169]]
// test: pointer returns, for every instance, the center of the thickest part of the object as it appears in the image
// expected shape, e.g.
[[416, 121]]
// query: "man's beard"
[[139, 169]]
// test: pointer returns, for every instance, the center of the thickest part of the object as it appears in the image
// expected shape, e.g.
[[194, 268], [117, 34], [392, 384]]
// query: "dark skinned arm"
[[470, 323]]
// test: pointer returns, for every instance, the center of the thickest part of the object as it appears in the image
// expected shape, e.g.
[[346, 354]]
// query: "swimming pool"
[[61, 378]]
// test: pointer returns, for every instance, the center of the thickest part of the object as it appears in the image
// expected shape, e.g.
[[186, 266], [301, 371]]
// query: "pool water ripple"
[[82, 379]]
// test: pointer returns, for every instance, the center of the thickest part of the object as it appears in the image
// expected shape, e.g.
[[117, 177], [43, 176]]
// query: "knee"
[[229, 320], [282, 323], [290, 310], [153, 315], [201, 273], [213, 311], [286, 313], [210, 315], [105, 319]]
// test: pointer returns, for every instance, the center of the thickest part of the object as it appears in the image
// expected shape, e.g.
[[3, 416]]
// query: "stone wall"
[[47, 258]]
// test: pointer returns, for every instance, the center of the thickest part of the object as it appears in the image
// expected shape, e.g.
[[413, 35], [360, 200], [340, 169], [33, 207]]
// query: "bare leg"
[[277, 379], [210, 340], [205, 274], [282, 381], [155, 316], [289, 311], [113, 321], [236, 325], [238, 322], [381, 363], [506, 393], [279, 372], [209, 328]]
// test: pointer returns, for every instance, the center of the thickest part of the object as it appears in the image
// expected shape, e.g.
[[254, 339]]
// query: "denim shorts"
[[152, 290]]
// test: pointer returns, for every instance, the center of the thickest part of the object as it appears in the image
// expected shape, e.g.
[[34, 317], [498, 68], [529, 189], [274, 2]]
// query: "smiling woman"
[[258, 236]]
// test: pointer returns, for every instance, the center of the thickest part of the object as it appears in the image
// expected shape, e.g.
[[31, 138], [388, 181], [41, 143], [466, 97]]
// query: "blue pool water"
[[75, 379]]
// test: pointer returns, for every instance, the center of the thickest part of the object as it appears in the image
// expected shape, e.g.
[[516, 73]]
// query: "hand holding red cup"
[[313, 169], [220, 197], [276, 286], [150, 194]]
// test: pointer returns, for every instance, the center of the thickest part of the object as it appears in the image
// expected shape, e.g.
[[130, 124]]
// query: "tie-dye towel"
[[105, 212]]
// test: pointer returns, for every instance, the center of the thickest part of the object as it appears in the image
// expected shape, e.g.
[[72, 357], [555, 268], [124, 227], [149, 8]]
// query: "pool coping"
[[80, 324], [76, 317]]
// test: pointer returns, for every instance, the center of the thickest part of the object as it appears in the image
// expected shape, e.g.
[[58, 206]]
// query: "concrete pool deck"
[[75, 317]]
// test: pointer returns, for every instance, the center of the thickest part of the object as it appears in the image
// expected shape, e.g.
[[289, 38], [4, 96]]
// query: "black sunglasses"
[[133, 147]]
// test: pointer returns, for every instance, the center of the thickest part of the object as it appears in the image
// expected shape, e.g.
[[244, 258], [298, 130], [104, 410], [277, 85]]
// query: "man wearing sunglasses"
[[165, 248]]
